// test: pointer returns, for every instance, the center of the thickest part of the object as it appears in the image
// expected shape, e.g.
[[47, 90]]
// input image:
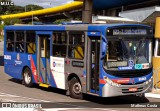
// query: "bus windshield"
[[126, 54]]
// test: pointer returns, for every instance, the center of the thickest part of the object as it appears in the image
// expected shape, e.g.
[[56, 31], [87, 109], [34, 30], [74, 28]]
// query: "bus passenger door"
[[43, 57], [93, 64]]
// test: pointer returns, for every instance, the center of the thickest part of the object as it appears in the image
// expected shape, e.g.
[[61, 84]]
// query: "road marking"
[[11, 95], [68, 109], [16, 109], [7, 100], [105, 109], [39, 100], [53, 109]]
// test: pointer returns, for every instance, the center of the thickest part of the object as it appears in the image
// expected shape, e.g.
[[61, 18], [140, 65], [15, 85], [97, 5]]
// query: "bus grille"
[[127, 90], [130, 73]]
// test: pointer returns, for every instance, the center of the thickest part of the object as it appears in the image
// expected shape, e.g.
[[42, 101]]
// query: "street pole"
[[32, 14], [32, 18], [87, 11], [25, 8]]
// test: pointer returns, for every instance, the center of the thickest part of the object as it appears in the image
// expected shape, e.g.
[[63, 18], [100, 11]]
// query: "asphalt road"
[[11, 90]]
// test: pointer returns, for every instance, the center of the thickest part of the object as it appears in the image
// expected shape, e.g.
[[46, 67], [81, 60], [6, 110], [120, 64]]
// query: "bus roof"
[[65, 27]]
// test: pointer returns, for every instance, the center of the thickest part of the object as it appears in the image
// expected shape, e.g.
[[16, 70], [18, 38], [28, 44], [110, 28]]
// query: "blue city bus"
[[105, 60]]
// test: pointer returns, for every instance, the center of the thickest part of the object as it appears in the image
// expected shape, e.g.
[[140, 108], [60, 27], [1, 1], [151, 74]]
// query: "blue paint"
[[84, 73], [94, 34], [125, 68], [35, 27]]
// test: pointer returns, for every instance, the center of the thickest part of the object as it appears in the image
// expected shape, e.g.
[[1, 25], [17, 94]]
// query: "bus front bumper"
[[111, 91]]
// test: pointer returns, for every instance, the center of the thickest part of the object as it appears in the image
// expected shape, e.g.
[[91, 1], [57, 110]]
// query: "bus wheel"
[[75, 89], [27, 77]]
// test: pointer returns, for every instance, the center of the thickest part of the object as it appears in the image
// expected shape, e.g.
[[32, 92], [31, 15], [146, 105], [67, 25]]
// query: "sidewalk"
[[154, 94]]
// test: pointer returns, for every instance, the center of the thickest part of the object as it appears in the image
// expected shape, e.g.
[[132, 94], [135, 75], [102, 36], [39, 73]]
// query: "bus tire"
[[75, 89], [27, 77]]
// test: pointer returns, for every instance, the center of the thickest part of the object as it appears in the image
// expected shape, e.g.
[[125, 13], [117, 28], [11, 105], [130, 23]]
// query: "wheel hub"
[[77, 88], [27, 78]]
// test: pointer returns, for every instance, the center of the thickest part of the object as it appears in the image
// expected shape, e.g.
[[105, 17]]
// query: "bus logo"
[[18, 57], [131, 63], [142, 79], [54, 64]]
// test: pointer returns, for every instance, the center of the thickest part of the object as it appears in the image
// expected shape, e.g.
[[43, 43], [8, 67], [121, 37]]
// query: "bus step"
[[94, 94], [44, 85]]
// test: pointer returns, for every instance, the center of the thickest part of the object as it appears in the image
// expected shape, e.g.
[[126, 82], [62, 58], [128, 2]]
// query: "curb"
[[151, 95]]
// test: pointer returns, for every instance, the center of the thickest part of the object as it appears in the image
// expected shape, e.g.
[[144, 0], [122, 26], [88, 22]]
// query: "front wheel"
[[27, 77], [75, 89]]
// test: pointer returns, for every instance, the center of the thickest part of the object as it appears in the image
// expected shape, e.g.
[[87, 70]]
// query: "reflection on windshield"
[[127, 54]]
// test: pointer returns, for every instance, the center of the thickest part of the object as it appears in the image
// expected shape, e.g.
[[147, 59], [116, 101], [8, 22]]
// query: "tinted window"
[[19, 41], [10, 41], [30, 42], [76, 46], [59, 44]]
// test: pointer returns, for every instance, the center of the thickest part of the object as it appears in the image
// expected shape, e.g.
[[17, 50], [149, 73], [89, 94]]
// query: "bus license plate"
[[133, 89]]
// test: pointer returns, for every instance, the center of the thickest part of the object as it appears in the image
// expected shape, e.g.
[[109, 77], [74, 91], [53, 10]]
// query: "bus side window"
[[30, 42], [59, 46], [76, 46], [10, 41], [19, 41]]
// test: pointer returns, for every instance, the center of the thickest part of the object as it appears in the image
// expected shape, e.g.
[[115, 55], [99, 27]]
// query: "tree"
[[11, 9], [59, 21], [15, 9], [32, 7], [12, 21], [4, 8]]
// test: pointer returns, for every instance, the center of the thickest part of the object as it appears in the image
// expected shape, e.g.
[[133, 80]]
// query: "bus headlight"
[[149, 80], [111, 82]]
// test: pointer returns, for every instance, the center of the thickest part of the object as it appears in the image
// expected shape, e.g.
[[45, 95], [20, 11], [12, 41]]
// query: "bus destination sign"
[[129, 32]]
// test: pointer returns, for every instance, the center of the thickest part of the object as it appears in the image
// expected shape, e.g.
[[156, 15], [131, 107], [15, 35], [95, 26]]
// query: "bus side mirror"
[[104, 48]]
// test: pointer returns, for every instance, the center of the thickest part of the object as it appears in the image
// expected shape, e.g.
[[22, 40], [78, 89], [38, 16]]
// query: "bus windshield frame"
[[129, 49]]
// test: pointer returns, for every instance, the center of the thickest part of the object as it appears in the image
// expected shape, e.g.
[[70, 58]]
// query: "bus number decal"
[[7, 57], [77, 64]]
